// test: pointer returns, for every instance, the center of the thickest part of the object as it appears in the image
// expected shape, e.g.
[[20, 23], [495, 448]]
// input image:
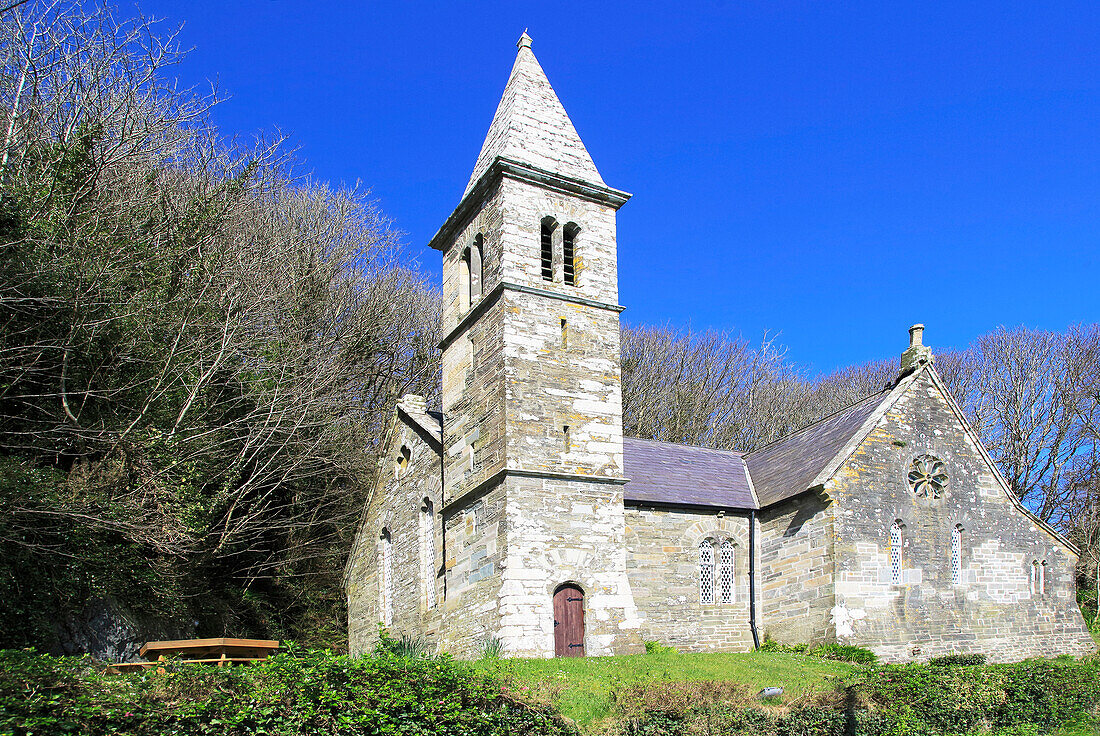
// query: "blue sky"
[[829, 172]]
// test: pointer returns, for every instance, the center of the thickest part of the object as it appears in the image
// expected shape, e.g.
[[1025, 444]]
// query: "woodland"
[[200, 350]]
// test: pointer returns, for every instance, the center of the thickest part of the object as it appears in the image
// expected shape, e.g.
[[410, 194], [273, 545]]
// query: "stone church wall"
[[663, 568], [566, 531], [991, 609], [395, 506], [795, 569], [475, 542]]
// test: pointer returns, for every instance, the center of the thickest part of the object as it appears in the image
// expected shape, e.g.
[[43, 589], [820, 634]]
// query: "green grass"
[[586, 690]]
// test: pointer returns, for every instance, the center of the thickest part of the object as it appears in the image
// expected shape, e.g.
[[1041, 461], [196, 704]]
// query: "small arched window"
[[477, 255], [464, 282], [385, 577], [1034, 577], [706, 571], [401, 462], [568, 253], [546, 241], [956, 555], [427, 550], [725, 572], [1043, 578], [897, 540]]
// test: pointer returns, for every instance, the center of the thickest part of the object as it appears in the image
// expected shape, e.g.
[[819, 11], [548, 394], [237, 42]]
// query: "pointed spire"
[[532, 127]]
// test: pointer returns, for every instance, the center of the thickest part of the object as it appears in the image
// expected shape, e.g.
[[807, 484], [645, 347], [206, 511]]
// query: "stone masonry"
[[884, 525]]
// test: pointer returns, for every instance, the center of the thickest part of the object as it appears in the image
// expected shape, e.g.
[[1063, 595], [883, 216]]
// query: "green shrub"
[[957, 660], [839, 652], [844, 653], [656, 647], [314, 693]]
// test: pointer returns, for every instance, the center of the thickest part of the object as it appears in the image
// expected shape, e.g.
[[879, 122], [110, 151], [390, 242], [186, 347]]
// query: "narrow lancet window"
[[956, 555], [896, 541], [477, 254], [706, 571], [385, 577], [725, 572], [568, 250], [547, 242], [427, 550], [1034, 577], [1043, 578], [464, 282]]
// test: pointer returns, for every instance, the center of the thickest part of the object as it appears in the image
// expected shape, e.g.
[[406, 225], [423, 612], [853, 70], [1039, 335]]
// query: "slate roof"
[[661, 472], [792, 465], [430, 422], [531, 126]]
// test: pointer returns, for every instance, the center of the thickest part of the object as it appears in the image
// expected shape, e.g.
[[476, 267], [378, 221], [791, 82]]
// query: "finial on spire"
[[524, 41]]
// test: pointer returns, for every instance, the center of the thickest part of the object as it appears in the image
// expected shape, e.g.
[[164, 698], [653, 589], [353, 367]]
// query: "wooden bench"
[[221, 652]]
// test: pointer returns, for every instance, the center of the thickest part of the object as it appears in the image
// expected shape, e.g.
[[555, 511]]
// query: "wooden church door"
[[569, 621]]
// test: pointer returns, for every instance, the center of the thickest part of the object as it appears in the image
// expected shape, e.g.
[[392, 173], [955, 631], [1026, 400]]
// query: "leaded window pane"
[[706, 571], [725, 572]]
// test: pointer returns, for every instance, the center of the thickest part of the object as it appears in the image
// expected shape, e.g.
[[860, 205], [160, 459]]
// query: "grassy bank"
[[592, 691]]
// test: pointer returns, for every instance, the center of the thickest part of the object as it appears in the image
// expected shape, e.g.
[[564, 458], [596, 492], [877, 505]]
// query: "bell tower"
[[532, 399]]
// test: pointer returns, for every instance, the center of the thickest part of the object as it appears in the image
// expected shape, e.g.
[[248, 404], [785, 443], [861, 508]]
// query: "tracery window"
[[706, 571], [427, 550], [956, 555], [725, 572], [927, 476], [896, 542], [386, 577]]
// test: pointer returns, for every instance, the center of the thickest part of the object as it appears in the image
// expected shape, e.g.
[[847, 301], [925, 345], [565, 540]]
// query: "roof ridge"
[[816, 422], [739, 453]]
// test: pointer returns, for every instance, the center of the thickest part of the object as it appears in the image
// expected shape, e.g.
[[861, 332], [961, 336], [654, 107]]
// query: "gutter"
[[752, 579]]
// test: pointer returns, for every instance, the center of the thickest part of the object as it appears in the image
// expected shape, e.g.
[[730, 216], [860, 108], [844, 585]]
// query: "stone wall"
[[795, 569], [475, 534], [564, 530], [991, 609], [395, 505], [663, 568]]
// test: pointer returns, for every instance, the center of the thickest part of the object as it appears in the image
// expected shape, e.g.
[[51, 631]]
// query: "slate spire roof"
[[532, 127]]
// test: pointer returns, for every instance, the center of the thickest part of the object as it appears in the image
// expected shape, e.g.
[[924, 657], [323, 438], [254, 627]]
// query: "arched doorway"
[[569, 621]]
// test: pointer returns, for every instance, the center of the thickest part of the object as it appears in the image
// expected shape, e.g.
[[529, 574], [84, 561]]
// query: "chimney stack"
[[918, 353]]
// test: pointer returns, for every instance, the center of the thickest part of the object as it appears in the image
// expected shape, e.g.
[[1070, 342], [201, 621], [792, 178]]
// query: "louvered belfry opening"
[[547, 240], [569, 269]]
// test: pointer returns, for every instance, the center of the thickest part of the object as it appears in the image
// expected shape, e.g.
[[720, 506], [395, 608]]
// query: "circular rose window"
[[927, 476]]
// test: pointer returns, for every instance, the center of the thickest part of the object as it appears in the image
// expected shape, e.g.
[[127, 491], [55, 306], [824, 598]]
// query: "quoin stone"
[[518, 517]]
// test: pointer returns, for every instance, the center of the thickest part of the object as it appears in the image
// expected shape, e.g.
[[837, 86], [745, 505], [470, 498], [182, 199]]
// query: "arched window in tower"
[[477, 254], [464, 282], [385, 577], [568, 251], [706, 571], [956, 555], [546, 240], [896, 541], [725, 572], [427, 550]]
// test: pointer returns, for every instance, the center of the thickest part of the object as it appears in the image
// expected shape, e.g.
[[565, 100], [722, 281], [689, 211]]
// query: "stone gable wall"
[[993, 610], [396, 505], [663, 568], [795, 569]]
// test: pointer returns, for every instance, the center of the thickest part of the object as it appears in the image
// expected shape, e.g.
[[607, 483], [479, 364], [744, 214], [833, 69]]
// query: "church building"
[[520, 516]]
